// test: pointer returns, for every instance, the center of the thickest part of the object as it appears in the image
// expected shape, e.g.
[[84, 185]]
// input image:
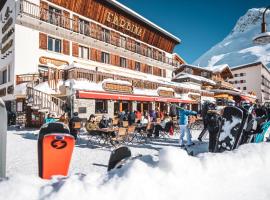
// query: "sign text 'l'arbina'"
[[124, 23]]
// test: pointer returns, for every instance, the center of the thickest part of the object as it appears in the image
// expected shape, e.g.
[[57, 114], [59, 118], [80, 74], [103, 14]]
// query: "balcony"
[[90, 33]]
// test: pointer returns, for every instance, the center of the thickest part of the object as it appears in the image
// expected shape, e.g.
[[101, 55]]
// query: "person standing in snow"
[[183, 123], [75, 125]]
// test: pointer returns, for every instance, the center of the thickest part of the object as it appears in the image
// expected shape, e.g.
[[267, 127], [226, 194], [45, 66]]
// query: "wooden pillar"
[[120, 106], [142, 107]]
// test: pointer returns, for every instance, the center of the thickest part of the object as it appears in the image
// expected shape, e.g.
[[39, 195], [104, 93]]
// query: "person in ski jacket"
[[104, 122], [173, 110], [91, 124], [183, 123], [75, 125], [131, 118], [64, 118], [49, 119]]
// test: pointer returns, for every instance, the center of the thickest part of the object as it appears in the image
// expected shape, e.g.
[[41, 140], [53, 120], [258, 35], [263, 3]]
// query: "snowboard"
[[231, 128], [55, 147], [213, 121], [3, 138], [118, 157]]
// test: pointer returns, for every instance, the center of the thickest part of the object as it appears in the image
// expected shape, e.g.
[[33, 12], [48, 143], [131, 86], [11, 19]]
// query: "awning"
[[248, 99], [128, 97]]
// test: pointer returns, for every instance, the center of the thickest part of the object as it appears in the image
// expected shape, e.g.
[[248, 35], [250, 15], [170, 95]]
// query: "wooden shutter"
[[44, 7], [115, 38], [112, 59], [93, 54], [98, 55], [164, 73], [143, 67], [43, 41], [117, 60], [75, 23], [66, 47], [75, 49], [66, 19]]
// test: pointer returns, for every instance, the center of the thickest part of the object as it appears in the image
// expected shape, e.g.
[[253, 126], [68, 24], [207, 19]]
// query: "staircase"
[[44, 102]]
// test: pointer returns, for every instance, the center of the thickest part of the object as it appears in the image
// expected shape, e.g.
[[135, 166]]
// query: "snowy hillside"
[[238, 48]]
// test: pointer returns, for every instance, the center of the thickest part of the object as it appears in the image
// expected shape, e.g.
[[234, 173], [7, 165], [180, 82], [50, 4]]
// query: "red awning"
[[248, 99], [128, 97]]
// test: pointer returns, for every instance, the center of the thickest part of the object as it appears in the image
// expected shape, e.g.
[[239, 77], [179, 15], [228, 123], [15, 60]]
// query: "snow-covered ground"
[[168, 173]]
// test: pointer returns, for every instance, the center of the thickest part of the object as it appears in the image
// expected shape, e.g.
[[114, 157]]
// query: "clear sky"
[[200, 24]]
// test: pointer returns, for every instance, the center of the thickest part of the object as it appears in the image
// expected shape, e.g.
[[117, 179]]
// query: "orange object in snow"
[[56, 152]]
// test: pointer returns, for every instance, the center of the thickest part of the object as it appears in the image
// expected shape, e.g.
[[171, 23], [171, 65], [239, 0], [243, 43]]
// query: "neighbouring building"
[[213, 82], [253, 78], [89, 56]]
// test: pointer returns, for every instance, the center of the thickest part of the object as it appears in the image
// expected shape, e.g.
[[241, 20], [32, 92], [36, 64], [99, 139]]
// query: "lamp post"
[[264, 36]]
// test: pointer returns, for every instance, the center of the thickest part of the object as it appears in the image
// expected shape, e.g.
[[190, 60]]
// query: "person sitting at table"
[[131, 118], [161, 126], [104, 122], [91, 123], [145, 118]]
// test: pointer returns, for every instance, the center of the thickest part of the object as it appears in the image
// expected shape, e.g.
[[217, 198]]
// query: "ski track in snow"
[[242, 174]]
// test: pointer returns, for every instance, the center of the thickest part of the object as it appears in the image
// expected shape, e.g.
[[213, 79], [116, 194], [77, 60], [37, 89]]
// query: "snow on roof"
[[20, 89], [120, 82], [45, 88], [266, 34], [138, 16], [114, 70], [84, 85], [226, 91], [165, 89], [218, 68], [198, 78]]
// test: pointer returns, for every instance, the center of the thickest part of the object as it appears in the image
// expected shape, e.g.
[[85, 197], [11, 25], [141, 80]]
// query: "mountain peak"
[[238, 47]]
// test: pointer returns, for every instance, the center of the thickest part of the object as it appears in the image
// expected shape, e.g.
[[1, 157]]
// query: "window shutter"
[[93, 55], [75, 49], [98, 56], [112, 59], [44, 7], [164, 73], [117, 60], [66, 48], [43, 41], [75, 23], [66, 19]]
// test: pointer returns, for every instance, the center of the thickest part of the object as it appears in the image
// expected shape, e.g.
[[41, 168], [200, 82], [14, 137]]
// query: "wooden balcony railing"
[[95, 31], [42, 101], [25, 78]]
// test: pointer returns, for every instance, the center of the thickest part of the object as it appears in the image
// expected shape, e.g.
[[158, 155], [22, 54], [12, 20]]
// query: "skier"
[[183, 122], [206, 106], [75, 125]]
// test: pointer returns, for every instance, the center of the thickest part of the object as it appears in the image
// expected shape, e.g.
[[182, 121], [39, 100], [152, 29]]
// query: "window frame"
[[54, 44]]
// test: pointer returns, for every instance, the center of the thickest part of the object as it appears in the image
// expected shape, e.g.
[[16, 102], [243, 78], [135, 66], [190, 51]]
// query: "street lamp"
[[264, 36]]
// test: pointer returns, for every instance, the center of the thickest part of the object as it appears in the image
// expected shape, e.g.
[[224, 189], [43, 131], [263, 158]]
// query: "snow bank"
[[242, 174]]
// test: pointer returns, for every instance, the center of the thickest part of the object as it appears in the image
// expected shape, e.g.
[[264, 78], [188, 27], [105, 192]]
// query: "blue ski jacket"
[[183, 116]]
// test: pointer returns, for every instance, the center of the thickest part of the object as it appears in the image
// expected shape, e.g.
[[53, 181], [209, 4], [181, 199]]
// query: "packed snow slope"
[[240, 175], [238, 48]]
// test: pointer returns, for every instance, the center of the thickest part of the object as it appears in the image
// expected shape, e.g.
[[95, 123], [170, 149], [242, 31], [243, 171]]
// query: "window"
[[54, 44], [148, 69], [84, 27], [101, 106], [83, 52], [123, 41], [82, 110], [235, 82], [105, 35], [235, 75], [243, 81], [138, 47], [4, 76], [242, 74], [205, 74], [244, 88], [19, 106], [188, 70], [137, 66], [105, 57], [149, 52], [54, 16], [9, 73], [238, 88], [123, 62]]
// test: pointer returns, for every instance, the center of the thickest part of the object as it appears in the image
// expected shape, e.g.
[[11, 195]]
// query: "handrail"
[[45, 101], [85, 29]]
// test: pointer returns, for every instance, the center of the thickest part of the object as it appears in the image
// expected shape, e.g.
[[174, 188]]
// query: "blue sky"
[[200, 24]]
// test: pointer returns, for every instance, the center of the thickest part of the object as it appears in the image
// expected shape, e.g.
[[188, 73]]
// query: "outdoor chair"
[[121, 136], [131, 134], [125, 124], [165, 132]]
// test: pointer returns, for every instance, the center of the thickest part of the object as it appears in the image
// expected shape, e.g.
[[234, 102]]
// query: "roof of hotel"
[[250, 65], [138, 16]]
